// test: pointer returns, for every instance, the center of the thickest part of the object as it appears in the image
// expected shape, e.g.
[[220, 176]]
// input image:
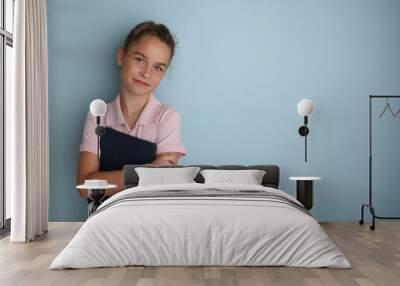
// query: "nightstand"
[[96, 190], [96, 195], [304, 190]]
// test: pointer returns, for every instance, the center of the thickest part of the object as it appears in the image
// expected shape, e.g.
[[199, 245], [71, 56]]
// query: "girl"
[[139, 129]]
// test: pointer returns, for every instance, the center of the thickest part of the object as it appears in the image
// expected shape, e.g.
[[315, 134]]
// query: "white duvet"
[[200, 231]]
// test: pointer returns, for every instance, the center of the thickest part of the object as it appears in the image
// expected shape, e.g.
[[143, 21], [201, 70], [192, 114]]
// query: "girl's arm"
[[88, 168], [167, 158]]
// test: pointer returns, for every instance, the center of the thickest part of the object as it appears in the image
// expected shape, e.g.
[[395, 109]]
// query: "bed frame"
[[270, 179]]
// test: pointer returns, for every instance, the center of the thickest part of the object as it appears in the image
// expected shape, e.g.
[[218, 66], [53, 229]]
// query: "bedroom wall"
[[240, 69]]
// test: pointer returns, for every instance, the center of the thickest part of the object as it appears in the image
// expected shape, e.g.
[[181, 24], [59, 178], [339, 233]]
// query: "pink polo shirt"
[[157, 123]]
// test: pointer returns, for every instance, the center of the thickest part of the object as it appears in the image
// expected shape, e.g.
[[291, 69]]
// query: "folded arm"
[[88, 168], [168, 158]]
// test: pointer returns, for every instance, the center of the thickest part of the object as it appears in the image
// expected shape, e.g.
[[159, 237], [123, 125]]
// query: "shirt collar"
[[115, 116]]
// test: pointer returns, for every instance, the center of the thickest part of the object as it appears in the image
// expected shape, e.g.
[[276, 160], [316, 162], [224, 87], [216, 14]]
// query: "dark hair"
[[149, 28]]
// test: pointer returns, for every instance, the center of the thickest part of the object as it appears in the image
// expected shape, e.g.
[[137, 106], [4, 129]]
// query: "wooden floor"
[[374, 255]]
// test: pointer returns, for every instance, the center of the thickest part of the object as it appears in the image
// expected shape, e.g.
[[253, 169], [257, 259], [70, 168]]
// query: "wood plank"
[[375, 257]]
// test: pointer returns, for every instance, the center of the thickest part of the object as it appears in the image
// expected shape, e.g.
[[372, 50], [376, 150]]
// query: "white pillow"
[[163, 176], [249, 177]]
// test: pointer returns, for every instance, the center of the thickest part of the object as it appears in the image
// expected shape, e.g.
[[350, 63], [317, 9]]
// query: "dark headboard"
[[270, 179]]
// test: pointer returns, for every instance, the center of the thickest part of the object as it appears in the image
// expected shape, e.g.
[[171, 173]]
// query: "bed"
[[198, 224]]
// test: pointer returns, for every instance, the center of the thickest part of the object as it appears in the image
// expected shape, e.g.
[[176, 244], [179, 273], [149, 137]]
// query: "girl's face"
[[143, 65]]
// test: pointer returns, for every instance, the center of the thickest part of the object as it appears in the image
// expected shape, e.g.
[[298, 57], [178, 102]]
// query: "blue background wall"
[[240, 69]]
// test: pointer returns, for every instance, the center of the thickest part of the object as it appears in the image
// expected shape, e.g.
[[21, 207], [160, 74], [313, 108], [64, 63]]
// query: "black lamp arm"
[[303, 131], [100, 130]]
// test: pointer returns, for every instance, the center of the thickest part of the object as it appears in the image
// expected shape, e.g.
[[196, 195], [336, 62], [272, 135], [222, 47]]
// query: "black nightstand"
[[96, 193], [304, 190]]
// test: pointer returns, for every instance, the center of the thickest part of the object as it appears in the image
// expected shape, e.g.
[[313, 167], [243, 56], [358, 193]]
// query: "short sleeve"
[[89, 140], [168, 134]]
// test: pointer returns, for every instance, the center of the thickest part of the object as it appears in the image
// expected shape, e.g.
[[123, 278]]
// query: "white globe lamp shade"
[[305, 107], [98, 107]]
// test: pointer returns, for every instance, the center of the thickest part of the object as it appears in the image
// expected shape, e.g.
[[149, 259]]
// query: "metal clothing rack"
[[369, 205]]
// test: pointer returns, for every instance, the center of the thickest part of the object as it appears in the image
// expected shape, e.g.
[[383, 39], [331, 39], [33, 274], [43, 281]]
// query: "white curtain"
[[27, 123]]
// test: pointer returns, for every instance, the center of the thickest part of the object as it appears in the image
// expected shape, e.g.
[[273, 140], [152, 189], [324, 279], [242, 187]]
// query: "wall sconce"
[[305, 107], [98, 108]]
